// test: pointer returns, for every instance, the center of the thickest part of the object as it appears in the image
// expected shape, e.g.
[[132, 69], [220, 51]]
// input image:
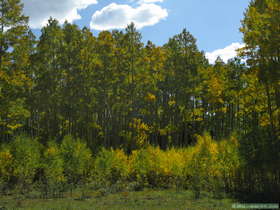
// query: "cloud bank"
[[39, 11], [118, 16], [225, 53]]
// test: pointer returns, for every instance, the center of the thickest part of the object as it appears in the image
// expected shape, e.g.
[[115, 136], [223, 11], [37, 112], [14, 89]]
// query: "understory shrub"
[[55, 178], [207, 166], [213, 165], [26, 154], [77, 160], [6, 169], [110, 166], [157, 168], [145, 166]]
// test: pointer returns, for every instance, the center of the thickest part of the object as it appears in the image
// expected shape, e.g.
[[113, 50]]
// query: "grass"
[[146, 199]]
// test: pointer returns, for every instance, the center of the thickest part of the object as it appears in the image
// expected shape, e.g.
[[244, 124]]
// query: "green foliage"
[[143, 165], [156, 168], [113, 91], [213, 165], [25, 163], [217, 167], [259, 146], [26, 153], [203, 164], [6, 167], [77, 159], [53, 168], [111, 165], [16, 41]]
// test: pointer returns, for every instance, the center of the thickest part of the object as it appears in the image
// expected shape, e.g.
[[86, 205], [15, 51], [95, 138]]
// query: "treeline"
[[112, 90]]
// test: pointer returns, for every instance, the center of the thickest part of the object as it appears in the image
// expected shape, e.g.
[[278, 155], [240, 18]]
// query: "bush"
[[171, 167], [204, 165], [144, 166], [6, 168], [229, 162], [26, 153], [77, 160], [53, 169], [157, 168], [111, 165], [213, 165], [208, 165]]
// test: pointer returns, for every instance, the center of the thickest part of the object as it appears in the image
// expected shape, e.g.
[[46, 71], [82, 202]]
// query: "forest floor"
[[146, 199]]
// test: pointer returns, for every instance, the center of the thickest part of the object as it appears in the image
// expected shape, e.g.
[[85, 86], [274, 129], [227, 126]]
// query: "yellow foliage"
[[54, 165], [205, 156], [158, 167], [207, 160], [138, 125], [264, 120], [141, 129], [61, 178], [3, 75], [172, 162], [14, 127], [216, 86], [223, 109], [121, 162], [51, 151], [171, 102], [6, 163], [150, 97], [111, 165], [163, 132], [197, 114]]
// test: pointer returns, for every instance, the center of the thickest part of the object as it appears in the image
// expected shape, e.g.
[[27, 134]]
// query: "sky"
[[214, 23]]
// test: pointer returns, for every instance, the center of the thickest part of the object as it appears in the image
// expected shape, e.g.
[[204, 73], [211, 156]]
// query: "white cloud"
[[118, 16], [39, 11], [226, 53], [146, 1], [149, 1]]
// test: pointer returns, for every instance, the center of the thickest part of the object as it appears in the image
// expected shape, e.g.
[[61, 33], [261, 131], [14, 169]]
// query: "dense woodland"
[[69, 87]]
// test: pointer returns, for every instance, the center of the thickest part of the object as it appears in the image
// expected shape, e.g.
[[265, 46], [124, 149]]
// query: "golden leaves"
[[6, 161], [150, 97], [141, 131], [171, 102]]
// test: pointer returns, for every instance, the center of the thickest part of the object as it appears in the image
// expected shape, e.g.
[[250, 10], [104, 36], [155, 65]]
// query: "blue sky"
[[214, 23]]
